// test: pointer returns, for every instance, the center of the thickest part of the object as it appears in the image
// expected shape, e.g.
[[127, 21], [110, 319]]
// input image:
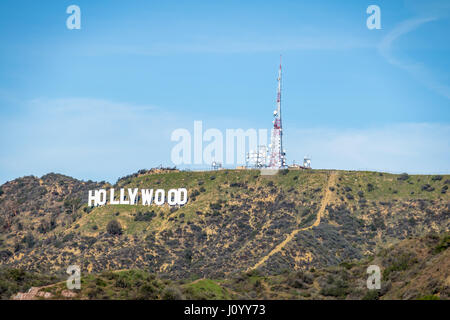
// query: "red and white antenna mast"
[[277, 154]]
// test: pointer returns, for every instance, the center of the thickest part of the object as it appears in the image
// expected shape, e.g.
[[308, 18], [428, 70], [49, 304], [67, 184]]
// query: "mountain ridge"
[[233, 219]]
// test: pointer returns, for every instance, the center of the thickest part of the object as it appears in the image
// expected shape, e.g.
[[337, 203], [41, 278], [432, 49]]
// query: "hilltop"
[[235, 221]]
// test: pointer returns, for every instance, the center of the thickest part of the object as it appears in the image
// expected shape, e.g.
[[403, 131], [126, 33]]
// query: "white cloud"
[[418, 70], [410, 147]]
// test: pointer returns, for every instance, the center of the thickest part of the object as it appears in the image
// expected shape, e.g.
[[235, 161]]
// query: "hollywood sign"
[[175, 197]]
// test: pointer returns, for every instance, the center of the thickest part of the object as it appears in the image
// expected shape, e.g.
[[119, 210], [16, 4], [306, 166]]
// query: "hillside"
[[416, 268], [235, 221]]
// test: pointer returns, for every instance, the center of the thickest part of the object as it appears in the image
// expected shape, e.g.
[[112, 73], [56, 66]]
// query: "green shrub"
[[215, 206], [400, 263], [429, 297], [146, 216], [147, 292], [371, 295], [347, 265], [29, 240], [172, 293], [443, 244], [114, 227], [427, 187], [403, 177], [339, 289], [72, 204]]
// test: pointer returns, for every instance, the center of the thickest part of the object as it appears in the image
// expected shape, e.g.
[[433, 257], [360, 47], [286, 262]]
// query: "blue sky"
[[101, 102]]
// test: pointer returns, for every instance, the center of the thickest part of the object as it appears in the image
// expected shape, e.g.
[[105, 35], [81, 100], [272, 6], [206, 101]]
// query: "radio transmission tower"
[[277, 153]]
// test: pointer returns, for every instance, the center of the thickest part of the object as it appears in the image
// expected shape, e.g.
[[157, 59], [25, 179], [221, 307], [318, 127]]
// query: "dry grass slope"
[[235, 221]]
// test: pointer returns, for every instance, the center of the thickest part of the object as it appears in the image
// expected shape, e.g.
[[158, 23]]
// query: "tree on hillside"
[[72, 204], [114, 227], [403, 177]]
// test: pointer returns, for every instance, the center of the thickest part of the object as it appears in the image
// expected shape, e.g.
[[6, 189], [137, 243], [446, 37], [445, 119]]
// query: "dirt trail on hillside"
[[326, 199]]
